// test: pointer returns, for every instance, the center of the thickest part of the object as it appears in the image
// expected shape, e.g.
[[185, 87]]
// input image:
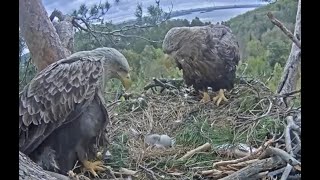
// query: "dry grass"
[[248, 117]]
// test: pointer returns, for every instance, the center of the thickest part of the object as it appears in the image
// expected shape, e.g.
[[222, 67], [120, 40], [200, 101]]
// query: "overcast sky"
[[125, 9]]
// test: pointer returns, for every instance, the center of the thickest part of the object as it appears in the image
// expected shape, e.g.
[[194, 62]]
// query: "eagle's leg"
[[220, 97], [92, 167], [206, 97]]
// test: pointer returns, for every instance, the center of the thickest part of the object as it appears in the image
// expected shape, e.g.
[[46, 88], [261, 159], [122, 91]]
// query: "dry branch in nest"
[[269, 159], [164, 84], [204, 147]]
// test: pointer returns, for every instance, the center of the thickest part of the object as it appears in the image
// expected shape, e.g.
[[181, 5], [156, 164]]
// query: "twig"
[[190, 153], [117, 32], [149, 171], [129, 172], [284, 29], [245, 163], [212, 171], [290, 93], [113, 103], [161, 83], [111, 172]]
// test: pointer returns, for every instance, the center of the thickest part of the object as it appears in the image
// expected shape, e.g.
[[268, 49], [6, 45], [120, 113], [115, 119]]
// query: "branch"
[[204, 147], [290, 93], [153, 175], [284, 29], [248, 157], [286, 172], [255, 168], [117, 32], [285, 156]]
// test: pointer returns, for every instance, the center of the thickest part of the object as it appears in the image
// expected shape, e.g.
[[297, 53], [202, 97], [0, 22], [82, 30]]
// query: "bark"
[[291, 72], [30, 170], [255, 168], [40, 35]]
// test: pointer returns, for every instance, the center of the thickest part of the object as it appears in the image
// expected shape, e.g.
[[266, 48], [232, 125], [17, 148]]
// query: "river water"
[[216, 15]]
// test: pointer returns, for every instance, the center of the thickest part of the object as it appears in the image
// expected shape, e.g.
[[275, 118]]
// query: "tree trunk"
[[64, 29], [40, 36], [45, 48], [291, 72], [30, 170]]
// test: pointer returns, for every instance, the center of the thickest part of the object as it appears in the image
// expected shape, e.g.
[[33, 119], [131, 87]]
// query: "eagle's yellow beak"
[[126, 80]]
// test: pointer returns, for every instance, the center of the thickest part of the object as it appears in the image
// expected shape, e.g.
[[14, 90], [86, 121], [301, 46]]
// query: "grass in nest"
[[199, 132], [265, 126], [119, 151]]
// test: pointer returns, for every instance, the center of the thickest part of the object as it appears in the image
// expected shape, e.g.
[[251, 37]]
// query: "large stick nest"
[[255, 149]]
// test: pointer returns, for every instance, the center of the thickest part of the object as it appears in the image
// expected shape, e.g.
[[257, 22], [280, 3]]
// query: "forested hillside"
[[264, 47]]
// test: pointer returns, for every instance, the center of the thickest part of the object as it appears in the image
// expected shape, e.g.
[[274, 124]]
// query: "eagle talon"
[[220, 97], [92, 167], [206, 98]]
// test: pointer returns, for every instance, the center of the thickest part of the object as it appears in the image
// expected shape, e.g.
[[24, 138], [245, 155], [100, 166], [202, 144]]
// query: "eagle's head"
[[115, 64]]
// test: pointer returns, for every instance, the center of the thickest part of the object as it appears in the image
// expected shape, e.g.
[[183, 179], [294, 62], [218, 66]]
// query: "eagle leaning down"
[[62, 110], [207, 55]]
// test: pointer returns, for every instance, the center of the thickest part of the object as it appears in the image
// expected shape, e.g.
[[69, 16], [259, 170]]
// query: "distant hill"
[[256, 25]]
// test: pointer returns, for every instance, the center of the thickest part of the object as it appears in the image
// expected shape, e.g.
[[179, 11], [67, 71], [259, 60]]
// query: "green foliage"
[[200, 132], [255, 48], [119, 151], [151, 62], [264, 47], [276, 77], [278, 52], [258, 68], [196, 22], [256, 25]]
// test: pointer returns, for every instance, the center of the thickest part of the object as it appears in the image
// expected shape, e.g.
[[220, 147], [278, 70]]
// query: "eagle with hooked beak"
[[62, 111], [207, 55]]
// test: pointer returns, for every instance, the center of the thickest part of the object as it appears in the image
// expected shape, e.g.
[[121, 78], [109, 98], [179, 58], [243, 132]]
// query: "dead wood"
[[30, 170], [164, 84], [291, 71], [149, 172], [248, 157], [286, 172], [255, 168], [286, 31], [285, 156], [201, 148]]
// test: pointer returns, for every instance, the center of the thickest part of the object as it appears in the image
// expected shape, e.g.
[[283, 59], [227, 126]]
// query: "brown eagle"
[[207, 55], [62, 110]]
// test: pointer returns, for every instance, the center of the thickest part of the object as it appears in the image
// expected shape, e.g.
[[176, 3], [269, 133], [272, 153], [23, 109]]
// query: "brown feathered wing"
[[56, 96]]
